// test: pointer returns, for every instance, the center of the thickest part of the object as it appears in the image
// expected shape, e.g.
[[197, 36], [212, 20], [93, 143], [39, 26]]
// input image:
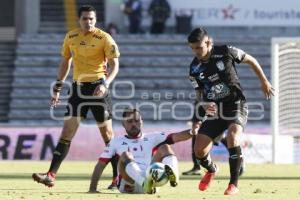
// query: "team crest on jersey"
[[220, 65]]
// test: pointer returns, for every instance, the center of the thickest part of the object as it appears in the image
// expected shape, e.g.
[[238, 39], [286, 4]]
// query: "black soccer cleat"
[[113, 184], [47, 179], [171, 175], [193, 171]]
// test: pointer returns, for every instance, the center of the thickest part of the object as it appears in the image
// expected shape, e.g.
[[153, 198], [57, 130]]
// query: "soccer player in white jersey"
[[135, 151]]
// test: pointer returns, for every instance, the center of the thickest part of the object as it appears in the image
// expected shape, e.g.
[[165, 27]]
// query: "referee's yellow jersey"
[[90, 53]]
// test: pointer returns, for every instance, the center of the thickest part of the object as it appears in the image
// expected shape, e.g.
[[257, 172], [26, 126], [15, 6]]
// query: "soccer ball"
[[158, 174]]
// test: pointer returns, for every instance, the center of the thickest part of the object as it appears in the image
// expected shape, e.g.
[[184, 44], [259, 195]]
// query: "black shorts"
[[228, 113], [82, 99], [199, 113]]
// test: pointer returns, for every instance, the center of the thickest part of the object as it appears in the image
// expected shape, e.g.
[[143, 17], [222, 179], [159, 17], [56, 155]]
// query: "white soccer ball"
[[157, 172]]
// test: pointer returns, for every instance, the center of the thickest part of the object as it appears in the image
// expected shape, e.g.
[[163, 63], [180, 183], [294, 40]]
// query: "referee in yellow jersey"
[[91, 51]]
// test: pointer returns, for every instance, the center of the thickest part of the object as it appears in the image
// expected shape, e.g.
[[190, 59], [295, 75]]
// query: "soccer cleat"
[[231, 190], [193, 171], [44, 178], [148, 186], [113, 184], [207, 179], [172, 176]]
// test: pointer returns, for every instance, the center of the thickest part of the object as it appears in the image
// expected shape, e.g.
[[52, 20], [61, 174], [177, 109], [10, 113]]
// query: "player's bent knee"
[[235, 129], [165, 147], [126, 156], [199, 153], [165, 150], [233, 140]]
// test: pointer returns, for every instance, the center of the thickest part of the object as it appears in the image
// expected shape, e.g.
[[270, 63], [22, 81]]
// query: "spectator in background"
[[133, 9], [160, 12], [112, 29], [183, 20]]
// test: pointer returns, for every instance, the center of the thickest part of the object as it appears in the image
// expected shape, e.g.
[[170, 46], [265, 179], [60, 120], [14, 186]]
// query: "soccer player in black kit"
[[214, 77]]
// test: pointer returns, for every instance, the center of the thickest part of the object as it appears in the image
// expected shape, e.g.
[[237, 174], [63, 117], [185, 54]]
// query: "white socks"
[[134, 171], [171, 160]]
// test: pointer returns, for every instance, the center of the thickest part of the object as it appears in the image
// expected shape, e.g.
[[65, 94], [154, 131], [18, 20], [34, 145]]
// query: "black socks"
[[208, 164], [195, 160], [59, 154], [235, 160]]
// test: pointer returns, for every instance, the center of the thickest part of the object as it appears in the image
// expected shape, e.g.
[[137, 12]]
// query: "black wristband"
[[58, 86]]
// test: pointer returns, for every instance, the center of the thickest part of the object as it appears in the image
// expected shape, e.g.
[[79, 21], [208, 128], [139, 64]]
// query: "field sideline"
[[260, 182]]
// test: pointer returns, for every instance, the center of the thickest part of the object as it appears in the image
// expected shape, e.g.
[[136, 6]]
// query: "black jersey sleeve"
[[237, 54]]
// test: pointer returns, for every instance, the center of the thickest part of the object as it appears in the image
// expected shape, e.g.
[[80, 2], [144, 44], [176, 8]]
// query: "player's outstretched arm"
[[266, 86], [98, 170], [181, 136]]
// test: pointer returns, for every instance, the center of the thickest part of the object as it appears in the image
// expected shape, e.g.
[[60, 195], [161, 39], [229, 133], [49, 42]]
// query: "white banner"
[[240, 12]]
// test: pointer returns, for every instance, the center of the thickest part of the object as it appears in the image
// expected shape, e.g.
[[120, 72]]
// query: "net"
[[286, 104]]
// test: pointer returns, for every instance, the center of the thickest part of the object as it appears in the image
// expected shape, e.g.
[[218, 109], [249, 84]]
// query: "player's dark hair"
[[197, 35], [86, 8], [128, 111]]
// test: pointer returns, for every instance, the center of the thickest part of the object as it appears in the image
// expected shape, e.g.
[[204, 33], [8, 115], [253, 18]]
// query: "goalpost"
[[285, 110]]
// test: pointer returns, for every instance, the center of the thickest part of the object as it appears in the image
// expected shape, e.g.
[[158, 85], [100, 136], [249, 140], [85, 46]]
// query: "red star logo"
[[229, 12]]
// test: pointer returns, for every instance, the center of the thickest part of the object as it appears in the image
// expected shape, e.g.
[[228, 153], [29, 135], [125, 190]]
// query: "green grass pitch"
[[260, 182]]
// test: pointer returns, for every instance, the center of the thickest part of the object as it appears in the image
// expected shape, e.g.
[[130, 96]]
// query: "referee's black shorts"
[[82, 99], [228, 113]]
